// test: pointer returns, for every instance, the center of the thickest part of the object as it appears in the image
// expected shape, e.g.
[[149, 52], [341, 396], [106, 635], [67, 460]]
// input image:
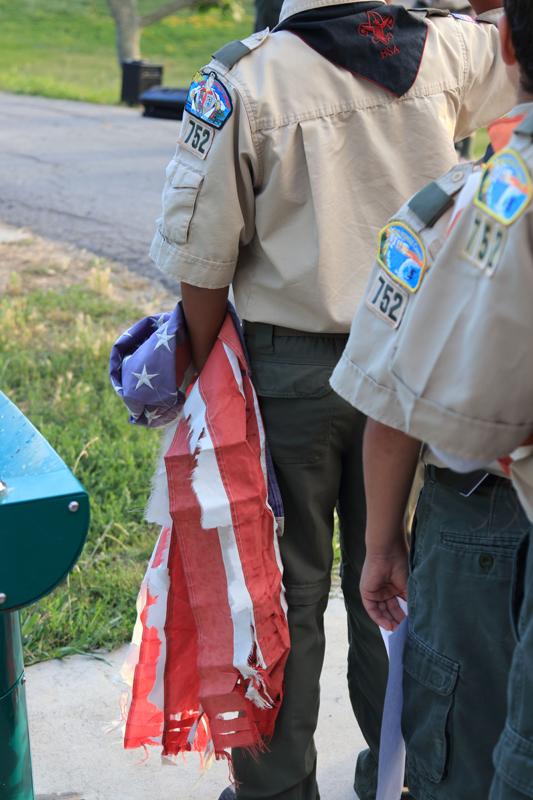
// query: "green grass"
[[66, 48], [53, 354]]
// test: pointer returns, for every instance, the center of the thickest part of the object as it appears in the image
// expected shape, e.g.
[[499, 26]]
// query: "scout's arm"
[[208, 210], [486, 91], [390, 459], [205, 310]]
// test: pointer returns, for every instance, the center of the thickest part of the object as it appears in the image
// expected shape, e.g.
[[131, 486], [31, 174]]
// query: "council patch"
[[208, 99], [506, 189], [402, 254]]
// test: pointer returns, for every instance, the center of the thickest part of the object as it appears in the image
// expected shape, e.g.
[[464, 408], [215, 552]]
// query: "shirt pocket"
[[179, 201], [429, 683]]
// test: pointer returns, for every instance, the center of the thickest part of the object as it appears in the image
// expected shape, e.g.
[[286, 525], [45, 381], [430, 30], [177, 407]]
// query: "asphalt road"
[[85, 174]]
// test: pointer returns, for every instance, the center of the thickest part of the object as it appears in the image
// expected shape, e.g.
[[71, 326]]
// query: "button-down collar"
[[291, 7]]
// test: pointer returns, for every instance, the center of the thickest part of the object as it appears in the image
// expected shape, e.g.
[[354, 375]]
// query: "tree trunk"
[[128, 29]]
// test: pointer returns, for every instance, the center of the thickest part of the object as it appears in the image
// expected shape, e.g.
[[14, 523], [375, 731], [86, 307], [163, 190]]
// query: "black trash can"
[[137, 77]]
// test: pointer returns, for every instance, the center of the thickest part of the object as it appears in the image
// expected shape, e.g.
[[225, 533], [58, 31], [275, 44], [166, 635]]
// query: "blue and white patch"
[[402, 254], [208, 99], [506, 189]]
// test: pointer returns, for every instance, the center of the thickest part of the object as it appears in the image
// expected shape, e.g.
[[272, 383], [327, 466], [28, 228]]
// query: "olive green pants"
[[513, 757], [461, 640], [315, 441]]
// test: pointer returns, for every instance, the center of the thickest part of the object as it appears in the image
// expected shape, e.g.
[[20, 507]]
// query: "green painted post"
[[16, 782], [44, 518]]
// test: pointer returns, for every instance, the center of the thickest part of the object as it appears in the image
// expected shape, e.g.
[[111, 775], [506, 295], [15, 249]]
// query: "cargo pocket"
[[513, 759], [429, 682], [179, 200], [275, 379], [296, 402]]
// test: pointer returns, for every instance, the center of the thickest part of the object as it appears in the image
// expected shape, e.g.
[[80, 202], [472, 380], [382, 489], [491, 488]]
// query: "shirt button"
[[458, 175], [486, 561]]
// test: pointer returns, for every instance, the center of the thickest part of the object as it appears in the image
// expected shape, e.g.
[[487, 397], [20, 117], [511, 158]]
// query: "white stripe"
[[216, 513], [206, 479], [158, 586]]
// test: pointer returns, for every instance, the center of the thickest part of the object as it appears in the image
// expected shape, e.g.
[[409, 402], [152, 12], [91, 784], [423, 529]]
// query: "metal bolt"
[[3, 598], [73, 506]]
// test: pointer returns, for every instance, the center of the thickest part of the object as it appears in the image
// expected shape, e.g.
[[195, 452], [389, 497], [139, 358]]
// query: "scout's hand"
[[383, 580]]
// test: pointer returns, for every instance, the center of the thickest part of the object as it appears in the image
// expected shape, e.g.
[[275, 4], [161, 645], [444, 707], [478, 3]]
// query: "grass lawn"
[[66, 48], [59, 314]]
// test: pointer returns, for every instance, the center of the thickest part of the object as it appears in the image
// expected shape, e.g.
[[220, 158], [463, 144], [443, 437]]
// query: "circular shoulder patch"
[[402, 254], [506, 189], [209, 100]]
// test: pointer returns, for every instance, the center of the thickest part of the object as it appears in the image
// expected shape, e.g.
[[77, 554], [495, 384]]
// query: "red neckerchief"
[[501, 131]]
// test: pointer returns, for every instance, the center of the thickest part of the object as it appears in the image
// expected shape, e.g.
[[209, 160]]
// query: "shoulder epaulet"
[[526, 126], [430, 203], [431, 12], [231, 53]]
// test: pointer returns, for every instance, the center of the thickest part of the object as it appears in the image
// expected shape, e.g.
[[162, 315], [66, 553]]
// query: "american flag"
[[211, 640]]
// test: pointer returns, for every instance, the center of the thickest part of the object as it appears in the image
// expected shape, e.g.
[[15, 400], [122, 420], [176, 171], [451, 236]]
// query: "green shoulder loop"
[[430, 203], [231, 53], [526, 127], [431, 12]]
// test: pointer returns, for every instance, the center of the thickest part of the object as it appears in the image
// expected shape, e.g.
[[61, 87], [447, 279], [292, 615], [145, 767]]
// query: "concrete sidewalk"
[[72, 703]]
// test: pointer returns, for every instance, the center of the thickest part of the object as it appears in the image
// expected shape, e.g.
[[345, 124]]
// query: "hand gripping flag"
[[211, 640]]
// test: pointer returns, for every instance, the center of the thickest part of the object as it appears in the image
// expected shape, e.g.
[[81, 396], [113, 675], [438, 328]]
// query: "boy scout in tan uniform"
[[291, 155], [443, 374], [464, 573]]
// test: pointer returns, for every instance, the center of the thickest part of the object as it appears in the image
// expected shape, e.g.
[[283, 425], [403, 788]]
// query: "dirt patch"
[[30, 263]]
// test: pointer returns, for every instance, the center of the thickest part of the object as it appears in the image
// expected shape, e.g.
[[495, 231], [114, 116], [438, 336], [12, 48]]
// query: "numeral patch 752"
[[387, 299], [197, 138]]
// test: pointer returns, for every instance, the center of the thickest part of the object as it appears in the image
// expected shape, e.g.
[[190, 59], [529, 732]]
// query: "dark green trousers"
[[513, 757], [315, 440], [461, 640]]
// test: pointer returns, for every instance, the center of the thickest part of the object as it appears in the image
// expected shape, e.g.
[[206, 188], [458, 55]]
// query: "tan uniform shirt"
[[463, 367], [458, 372], [408, 247], [286, 200]]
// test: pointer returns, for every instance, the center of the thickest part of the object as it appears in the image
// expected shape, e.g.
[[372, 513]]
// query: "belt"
[[262, 328], [466, 483]]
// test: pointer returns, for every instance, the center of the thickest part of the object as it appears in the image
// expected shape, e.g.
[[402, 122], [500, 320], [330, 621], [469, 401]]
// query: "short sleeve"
[[486, 91], [209, 193], [464, 364]]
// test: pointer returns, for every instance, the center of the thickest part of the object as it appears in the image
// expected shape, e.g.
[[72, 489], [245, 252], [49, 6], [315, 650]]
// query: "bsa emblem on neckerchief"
[[378, 42], [506, 188], [379, 28], [209, 100], [402, 254]]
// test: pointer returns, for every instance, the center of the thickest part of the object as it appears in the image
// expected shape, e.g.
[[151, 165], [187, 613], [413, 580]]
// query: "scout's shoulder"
[[506, 189], [232, 53], [218, 88]]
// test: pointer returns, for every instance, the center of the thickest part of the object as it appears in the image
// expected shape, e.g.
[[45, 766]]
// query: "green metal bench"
[[44, 518]]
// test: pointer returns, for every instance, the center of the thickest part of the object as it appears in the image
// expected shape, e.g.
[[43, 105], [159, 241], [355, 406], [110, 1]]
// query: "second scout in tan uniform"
[[490, 414], [456, 368], [289, 161]]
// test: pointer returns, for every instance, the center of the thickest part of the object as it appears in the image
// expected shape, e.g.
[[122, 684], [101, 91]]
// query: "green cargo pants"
[[315, 441], [513, 757], [461, 640]]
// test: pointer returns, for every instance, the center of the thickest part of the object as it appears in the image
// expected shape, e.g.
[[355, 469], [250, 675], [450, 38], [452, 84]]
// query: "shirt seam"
[[266, 126], [250, 108]]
